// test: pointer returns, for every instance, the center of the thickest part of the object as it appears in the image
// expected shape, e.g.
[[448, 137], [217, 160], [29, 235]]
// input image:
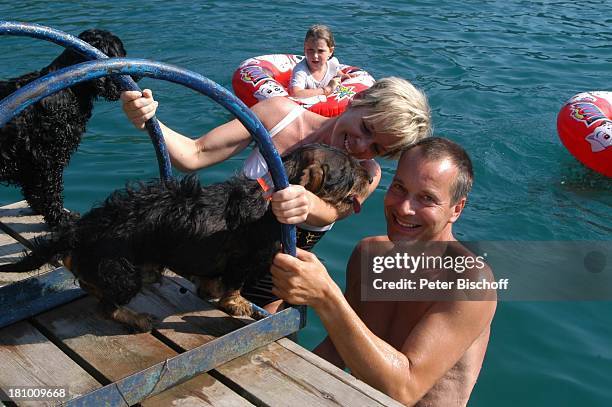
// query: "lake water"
[[496, 73]]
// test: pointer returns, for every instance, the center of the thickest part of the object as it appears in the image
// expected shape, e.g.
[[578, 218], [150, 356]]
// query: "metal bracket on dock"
[[157, 378], [29, 297], [26, 298]]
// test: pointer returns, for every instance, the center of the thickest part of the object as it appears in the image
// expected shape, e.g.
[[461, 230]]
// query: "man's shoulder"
[[370, 242], [478, 266], [372, 239], [365, 247]]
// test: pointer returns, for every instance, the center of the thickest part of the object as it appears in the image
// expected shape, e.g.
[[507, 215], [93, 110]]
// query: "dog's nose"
[[67, 262], [371, 168], [356, 205]]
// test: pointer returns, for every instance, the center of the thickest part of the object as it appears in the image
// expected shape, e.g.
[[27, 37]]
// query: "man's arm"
[[217, 145], [432, 347], [327, 351]]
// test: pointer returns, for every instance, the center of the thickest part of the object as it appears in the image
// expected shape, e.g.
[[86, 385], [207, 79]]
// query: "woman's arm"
[[294, 205], [213, 147], [297, 205]]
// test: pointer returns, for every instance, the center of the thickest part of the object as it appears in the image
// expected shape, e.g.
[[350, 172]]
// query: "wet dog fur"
[[222, 235], [36, 146]]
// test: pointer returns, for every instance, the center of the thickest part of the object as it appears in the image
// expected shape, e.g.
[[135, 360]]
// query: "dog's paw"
[[137, 321], [209, 288], [143, 322], [236, 305]]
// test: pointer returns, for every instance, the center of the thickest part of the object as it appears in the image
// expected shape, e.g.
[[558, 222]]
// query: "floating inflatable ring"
[[266, 76], [584, 125]]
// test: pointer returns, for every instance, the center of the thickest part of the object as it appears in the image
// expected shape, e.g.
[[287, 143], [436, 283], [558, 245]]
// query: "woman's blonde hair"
[[398, 109]]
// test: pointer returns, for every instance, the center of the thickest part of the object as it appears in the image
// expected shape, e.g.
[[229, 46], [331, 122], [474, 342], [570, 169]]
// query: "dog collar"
[[266, 184]]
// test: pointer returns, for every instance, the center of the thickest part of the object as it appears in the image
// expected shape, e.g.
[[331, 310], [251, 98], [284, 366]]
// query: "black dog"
[[37, 145], [224, 234]]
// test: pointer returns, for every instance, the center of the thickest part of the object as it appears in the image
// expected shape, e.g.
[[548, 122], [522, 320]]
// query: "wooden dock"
[[72, 346]]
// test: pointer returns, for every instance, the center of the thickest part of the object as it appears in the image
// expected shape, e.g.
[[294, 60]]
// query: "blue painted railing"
[[207, 87], [31, 93], [90, 52], [157, 378]]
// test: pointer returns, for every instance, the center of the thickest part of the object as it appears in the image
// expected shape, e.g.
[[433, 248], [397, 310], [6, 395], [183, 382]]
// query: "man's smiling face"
[[418, 204]]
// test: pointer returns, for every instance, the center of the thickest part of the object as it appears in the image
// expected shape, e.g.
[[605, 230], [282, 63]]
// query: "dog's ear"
[[313, 177], [105, 41], [111, 46], [290, 162]]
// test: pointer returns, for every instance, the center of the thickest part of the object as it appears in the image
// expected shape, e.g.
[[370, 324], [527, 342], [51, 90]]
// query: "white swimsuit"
[[260, 292], [255, 165]]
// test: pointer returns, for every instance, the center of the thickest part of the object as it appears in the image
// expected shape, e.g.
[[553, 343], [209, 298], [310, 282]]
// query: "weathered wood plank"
[[165, 374], [111, 353], [29, 359], [183, 317], [105, 345], [25, 298], [338, 373], [293, 379], [21, 219], [215, 323], [202, 390]]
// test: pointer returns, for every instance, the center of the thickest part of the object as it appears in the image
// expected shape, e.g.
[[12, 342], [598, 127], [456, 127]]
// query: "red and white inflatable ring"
[[584, 125], [266, 76]]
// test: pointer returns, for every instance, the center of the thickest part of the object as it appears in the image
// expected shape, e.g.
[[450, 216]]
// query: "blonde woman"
[[380, 122]]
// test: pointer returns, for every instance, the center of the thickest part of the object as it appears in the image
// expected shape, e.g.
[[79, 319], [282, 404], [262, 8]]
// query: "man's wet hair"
[[438, 148]]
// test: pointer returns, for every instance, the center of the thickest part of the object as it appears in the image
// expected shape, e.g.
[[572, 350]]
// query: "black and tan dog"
[[37, 145], [224, 232]]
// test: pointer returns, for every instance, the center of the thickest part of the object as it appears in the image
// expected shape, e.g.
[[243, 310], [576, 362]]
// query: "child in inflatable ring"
[[381, 122], [319, 72]]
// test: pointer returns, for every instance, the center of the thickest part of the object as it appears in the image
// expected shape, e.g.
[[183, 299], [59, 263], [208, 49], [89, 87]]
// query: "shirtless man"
[[427, 353]]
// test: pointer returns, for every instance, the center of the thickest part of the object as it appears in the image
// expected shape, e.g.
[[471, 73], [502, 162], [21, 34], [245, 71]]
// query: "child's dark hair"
[[321, 32]]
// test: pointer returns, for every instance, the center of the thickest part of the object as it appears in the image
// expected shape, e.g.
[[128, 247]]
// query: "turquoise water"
[[496, 73]]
